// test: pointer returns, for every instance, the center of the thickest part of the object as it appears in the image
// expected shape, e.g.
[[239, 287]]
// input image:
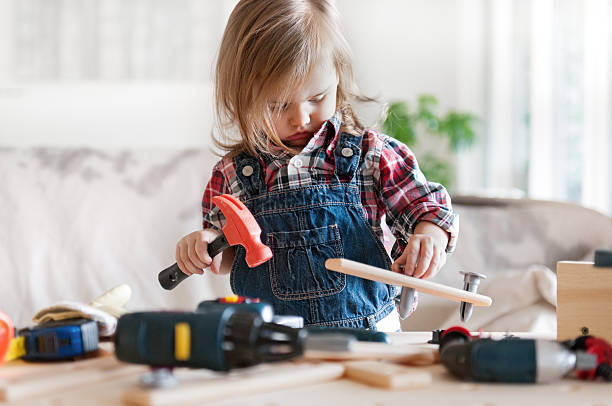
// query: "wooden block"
[[373, 273], [387, 375], [266, 377], [411, 354], [584, 300]]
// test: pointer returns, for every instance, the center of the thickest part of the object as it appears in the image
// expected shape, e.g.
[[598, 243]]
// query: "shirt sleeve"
[[409, 198], [217, 185]]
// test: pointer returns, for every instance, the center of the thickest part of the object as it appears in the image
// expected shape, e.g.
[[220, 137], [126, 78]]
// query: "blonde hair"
[[269, 45]]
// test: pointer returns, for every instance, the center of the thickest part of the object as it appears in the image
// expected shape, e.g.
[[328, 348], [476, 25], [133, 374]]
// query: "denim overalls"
[[304, 227]]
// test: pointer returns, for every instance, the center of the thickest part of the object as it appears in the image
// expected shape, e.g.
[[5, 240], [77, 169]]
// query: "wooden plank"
[[387, 375], [584, 300], [393, 278], [268, 377], [412, 354], [51, 378]]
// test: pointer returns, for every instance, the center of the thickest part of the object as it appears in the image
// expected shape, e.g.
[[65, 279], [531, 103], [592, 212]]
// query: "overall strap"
[[347, 155], [248, 171]]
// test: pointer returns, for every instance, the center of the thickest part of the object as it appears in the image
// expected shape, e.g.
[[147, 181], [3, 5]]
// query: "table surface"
[[444, 389]]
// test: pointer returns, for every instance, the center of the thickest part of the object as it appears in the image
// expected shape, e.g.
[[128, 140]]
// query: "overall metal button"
[[347, 152], [247, 170]]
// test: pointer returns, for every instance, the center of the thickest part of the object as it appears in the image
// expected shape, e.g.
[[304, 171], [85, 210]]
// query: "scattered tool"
[[603, 258], [7, 332], [219, 339], [240, 304], [599, 348], [471, 280], [253, 305], [52, 341], [240, 228], [58, 340], [511, 359], [360, 334], [383, 275], [223, 338]]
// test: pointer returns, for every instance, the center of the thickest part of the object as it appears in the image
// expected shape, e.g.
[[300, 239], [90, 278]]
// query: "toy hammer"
[[240, 228], [467, 296]]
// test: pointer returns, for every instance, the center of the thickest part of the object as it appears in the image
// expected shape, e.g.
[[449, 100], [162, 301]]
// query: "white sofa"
[[77, 222]]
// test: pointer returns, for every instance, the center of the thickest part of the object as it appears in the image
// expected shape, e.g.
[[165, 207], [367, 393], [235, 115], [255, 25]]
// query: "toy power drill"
[[240, 228], [220, 338], [511, 359], [599, 348], [241, 304], [266, 312]]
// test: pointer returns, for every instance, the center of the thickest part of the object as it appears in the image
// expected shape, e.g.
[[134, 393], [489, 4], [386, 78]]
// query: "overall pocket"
[[297, 269]]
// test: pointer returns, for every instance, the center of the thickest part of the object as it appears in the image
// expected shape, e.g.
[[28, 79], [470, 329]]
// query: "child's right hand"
[[192, 252]]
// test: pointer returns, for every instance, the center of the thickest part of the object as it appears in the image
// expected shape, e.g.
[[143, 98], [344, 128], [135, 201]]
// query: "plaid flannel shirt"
[[388, 176]]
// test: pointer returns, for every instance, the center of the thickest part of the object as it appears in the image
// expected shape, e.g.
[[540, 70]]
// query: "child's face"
[[308, 107]]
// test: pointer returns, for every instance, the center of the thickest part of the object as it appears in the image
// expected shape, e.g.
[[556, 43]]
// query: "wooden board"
[[411, 354], [193, 387], [584, 300], [393, 278], [387, 375], [20, 380]]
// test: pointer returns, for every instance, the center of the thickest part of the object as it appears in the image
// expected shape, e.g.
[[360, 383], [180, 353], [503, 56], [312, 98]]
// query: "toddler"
[[317, 181]]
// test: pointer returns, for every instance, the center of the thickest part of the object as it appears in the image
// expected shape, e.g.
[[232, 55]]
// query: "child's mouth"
[[300, 136], [299, 139]]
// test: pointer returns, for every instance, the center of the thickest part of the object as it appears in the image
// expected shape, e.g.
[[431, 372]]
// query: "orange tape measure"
[[6, 335]]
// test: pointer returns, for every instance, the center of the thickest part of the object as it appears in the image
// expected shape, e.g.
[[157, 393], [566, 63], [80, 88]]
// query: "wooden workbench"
[[110, 387]]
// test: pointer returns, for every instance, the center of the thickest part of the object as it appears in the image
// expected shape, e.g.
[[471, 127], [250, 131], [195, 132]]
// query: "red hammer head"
[[242, 228]]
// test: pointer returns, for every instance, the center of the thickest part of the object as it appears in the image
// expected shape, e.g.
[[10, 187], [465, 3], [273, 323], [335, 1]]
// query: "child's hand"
[[425, 252], [192, 252]]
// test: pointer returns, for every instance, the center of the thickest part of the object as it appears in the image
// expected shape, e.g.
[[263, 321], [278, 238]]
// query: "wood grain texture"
[[584, 299], [410, 354], [217, 386], [393, 278], [20, 380], [387, 375]]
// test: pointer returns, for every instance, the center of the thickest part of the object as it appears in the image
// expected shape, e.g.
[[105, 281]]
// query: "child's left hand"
[[425, 252]]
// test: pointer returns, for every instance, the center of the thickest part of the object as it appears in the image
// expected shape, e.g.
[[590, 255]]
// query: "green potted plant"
[[435, 138]]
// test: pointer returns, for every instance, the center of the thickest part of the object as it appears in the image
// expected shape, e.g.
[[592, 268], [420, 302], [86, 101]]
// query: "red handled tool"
[[7, 332], [240, 228], [601, 349]]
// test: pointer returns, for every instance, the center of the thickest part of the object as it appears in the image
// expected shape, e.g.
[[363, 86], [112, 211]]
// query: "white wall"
[[107, 115], [402, 48]]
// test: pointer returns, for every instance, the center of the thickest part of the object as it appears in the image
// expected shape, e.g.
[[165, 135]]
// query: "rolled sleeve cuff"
[[214, 219], [442, 216]]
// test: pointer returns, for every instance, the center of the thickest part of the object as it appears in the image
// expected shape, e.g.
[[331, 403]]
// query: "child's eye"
[[317, 99], [277, 107]]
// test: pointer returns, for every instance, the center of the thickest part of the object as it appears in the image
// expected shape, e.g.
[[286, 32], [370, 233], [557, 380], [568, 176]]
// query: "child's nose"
[[300, 116]]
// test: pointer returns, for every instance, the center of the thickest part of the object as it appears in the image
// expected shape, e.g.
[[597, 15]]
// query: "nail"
[[471, 280]]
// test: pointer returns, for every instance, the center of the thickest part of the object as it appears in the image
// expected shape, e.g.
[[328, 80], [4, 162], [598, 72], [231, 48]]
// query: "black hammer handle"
[[170, 277]]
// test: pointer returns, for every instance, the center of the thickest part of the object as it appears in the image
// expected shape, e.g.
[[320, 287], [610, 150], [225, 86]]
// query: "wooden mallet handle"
[[383, 275]]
